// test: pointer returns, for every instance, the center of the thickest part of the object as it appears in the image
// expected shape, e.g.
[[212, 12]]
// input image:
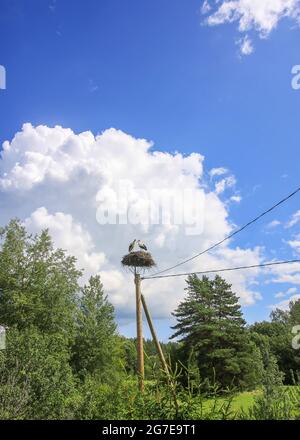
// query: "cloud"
[[242, 280], [245, 45], [295, 244], [287, 273], [284, 305], [236, 199], [273, 224], [69, 235], [56, 179], [260, 16], [217, 172], [289, 292], [291, 278], [205, 7], [222, 185], [294, 220]]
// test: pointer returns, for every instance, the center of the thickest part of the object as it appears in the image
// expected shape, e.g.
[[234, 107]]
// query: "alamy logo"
[[296, 77], [2, 338], [296, 339], [2, 77], [129, 205]]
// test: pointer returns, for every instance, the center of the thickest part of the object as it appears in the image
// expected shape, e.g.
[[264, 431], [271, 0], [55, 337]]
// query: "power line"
[[231, 235], [274, 263]]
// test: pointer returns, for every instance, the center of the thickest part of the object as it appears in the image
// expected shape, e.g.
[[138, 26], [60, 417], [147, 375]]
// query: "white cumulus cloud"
[[261, 16], [54, 178], [69, 235]]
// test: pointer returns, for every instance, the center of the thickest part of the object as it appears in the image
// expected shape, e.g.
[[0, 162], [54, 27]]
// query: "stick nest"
[[138, 259]]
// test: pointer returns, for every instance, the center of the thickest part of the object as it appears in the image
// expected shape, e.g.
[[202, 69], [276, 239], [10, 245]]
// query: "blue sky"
[[154, 70]]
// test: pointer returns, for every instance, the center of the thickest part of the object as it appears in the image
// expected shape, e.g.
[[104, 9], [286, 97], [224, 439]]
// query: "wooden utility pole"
[[139, 327], [161, 354], [155, 338]]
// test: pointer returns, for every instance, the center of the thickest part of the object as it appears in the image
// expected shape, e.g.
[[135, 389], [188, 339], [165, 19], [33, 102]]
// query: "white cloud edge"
[[259, 16]]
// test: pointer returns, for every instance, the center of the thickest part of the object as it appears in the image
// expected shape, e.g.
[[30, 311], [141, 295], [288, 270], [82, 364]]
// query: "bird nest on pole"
[[138, 259]]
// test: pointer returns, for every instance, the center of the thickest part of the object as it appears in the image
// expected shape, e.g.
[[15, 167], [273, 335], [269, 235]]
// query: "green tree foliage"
[[39, 364], [151, 358], [279, 335], [45, 312], [210, 325], [96, 346], [38, 288], [38, 284], [130, 355], [275, 402], [64, 358]]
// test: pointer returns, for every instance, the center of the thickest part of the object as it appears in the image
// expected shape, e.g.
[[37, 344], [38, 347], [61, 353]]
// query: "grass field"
[[237, 406], [241, 403]]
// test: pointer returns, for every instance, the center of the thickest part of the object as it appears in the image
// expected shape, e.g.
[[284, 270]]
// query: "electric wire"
[[230, 235], [229, 269]]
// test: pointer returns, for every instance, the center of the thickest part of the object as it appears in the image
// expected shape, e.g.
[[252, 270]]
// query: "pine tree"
[[96, 344], [210, 325]]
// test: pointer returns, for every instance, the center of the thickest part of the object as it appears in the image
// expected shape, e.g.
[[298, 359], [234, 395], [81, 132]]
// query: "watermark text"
[[127, 204], [296, 77], [2, 78], [296, 339], [2, 338]]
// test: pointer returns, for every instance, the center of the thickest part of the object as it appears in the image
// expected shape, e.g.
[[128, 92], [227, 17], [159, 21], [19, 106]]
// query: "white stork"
[[142, 245], [131, 246]]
